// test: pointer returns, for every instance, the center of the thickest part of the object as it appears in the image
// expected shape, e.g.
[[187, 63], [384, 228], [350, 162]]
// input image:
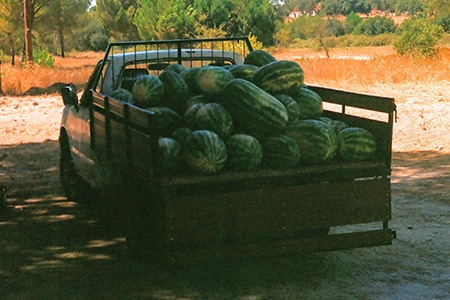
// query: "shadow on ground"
[[54, 248]]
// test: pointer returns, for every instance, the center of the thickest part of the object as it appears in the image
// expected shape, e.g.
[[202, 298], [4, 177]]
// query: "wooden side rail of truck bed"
[[246, 214]]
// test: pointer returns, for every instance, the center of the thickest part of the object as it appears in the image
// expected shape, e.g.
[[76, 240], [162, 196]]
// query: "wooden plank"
[[276, 211], [176, 256]]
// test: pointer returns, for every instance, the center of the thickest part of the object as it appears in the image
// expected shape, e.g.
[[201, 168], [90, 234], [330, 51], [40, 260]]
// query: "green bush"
[[43, 58], [418, 37], [375, 26]]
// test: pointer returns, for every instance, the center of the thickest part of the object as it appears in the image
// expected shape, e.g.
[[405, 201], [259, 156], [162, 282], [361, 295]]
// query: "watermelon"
[[280, 152], [194, 100], [181, 134], [309, 103], [213, 117], [212, 80], [189, 114], [335, 124], [244, 152], [279, 77], [176, 91], [190, 77], [255, 111], [246, 72], [166, 120], [176, 68], [123, 95], [205, 152], [291, 106], [316, 140], [259, 58], [148, 91], [356, 144], [170, 155]]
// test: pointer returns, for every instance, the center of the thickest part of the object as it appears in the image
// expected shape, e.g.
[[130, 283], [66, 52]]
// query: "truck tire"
[[73, 185]]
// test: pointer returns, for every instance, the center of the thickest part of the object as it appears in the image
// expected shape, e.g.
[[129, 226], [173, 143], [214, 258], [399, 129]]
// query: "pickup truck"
[[111, 146]]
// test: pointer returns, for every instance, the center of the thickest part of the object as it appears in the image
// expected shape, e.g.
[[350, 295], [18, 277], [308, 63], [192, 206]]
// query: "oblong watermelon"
[[356, 144], [190, 77], [309, 102], [148, 91], [214, 117], [279, 77], [255, 111], [176, 91], [337, 125], [259, 58], [280, 152], [291, 106], [244, 152], [166, 120], [246, 72], [316, 140], [205, 152]]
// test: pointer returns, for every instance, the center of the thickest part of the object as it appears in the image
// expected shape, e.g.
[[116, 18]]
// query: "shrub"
[[418, 37], [375, 26], [43, 58]]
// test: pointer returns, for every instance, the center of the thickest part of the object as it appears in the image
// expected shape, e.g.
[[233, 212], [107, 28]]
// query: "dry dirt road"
[[51, 248]]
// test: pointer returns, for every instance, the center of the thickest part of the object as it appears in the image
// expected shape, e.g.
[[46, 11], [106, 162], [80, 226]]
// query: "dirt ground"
[[51, 248]]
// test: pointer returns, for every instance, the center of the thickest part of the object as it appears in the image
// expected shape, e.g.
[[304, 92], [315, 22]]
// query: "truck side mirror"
[[69, 94]]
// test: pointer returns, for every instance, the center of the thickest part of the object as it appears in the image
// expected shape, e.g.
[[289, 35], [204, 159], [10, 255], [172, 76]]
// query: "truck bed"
[[264, 212]]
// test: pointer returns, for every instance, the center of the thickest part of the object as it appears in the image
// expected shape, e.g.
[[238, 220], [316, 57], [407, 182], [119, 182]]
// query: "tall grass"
[[340, 70]]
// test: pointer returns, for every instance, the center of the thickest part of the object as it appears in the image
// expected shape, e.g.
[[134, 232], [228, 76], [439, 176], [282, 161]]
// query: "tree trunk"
[[61, 41], [13, 49], [27, 17]]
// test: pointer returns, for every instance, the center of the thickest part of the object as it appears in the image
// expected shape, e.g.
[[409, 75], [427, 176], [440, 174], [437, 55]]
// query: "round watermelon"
[[170, 155], [337, 125], [356, 144], [280, 152], [166, 120], [148, 91], [316, 140], [176, 68], [259, 58], [309, 103], [189, 114], [244, 152], [181, 134], [205, 152], [123, 95], [212, 116], [190, 77], [212, 80]]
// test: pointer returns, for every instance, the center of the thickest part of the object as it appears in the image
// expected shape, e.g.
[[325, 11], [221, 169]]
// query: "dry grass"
[[352, 67]]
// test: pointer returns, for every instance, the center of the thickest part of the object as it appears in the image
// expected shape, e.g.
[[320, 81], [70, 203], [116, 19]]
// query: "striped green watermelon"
[[309, 103], [189, 115], [279, 77], [256, 112], [259, 58], [280, 152], [170, 155], [166, 120], [337, 125], [212, 80], [291, 106], [148, 91], [190, 77], [194, 100], [244, 152], [205, 152], [123, 95], [180, 134], [246, 72], [356, 144], [176, 68], [176, 91], [213, 117], [316, 140]]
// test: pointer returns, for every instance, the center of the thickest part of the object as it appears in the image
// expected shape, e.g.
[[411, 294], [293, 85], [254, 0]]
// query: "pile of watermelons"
[[243, 117]]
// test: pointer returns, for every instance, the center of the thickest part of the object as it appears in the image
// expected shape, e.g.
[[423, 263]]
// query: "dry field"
[[51, 248]]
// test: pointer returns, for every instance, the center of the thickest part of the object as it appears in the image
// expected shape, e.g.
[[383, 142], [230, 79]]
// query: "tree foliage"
[[418, 37], [375, 26], [117, 18]]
